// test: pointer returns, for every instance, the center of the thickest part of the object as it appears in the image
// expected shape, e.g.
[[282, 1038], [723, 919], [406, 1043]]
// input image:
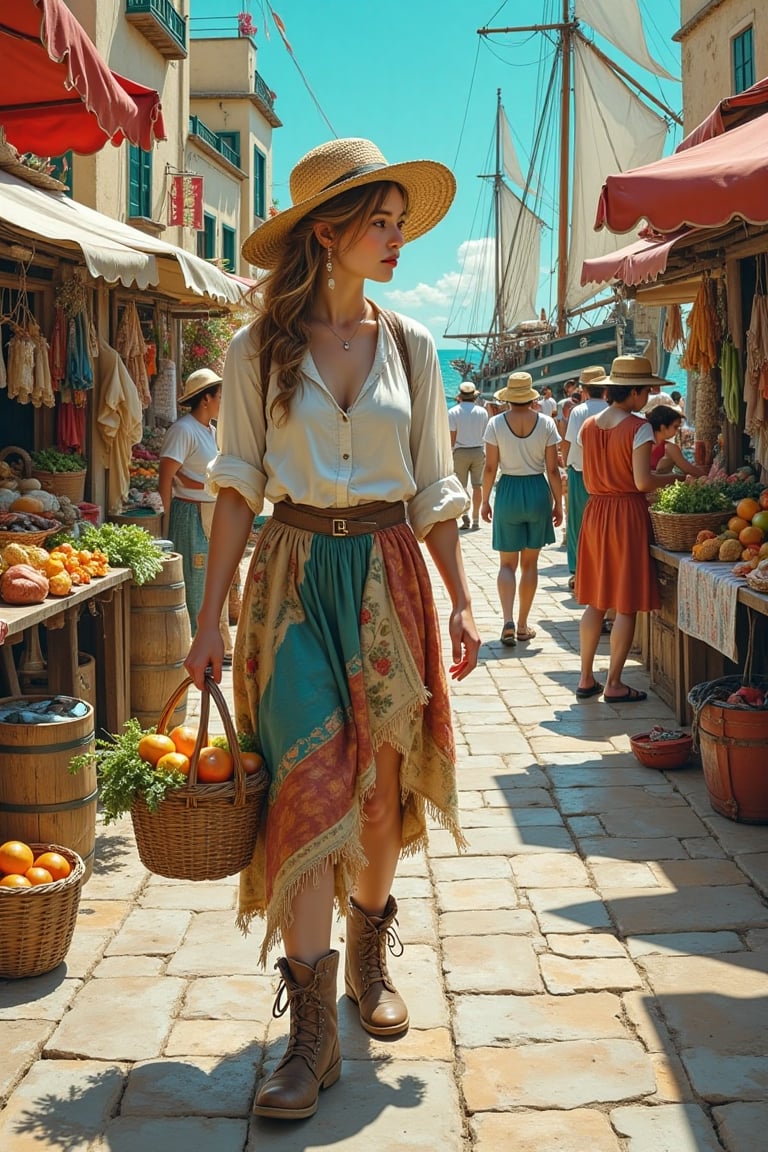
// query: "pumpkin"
[[27, 504], [60, 584], [23, 584]]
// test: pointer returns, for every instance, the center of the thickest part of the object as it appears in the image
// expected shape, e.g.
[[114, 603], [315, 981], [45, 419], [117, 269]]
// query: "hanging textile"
[[756, 375], [132, 349]]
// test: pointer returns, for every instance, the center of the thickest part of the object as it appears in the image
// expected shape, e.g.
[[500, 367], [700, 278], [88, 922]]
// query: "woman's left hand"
[[465, 639], [557, 515]]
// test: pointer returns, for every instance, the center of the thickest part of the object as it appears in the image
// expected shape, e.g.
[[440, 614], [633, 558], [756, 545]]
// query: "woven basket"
[[26, 460], [37, 924], [677, 531], [202, 831], [71, 484], [27, 539]]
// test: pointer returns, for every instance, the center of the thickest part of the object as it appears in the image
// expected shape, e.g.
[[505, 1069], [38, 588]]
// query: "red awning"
[[728, 113], [705, 186], [642, 260], [57, 94]]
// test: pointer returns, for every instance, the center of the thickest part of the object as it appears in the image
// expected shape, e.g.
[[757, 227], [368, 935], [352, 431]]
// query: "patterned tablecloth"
[[706, 604]]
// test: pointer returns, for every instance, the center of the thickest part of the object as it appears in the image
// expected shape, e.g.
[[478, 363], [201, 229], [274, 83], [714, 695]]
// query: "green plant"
[[247, 741], [52, 460], [123, 775], [126, 546], [683, 497]]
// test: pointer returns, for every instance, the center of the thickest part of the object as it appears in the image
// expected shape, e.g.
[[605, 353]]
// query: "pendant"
[[345, 345]]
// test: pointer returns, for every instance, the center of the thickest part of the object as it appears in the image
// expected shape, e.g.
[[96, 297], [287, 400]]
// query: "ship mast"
[[566, 34], [500, 318]]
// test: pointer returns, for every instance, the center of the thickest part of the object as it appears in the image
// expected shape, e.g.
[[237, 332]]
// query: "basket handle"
[[24, 456], [210, 690]]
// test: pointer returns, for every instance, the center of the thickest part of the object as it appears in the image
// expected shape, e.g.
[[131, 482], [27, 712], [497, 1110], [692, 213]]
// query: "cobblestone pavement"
[[590, 975]]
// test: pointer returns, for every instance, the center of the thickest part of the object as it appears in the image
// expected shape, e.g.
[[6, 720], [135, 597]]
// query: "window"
[[259, 184], [228, 247], [139, 182], [206, 240], [743, 61], [231, 149]]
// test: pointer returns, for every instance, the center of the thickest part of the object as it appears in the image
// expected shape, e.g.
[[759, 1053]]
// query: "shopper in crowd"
[[614, 568], [188, 448], [593, 379], [547, 402], [467, 421], [667, 456], [334, 411], [522, 444], [571, 397]]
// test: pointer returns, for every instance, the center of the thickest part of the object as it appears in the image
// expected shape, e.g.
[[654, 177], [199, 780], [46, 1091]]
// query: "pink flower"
[[382, 666], [365, 616]]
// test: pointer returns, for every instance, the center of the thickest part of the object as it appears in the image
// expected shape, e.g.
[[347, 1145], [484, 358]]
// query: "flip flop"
[[508, 635], [588, 693], [631, 696], [525, 634], [572, 582]]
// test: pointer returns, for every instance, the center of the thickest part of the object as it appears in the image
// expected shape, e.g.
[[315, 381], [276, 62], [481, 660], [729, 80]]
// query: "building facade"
[[723, 49]]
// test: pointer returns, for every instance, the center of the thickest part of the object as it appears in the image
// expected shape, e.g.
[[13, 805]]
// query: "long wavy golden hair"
[[285, 298]]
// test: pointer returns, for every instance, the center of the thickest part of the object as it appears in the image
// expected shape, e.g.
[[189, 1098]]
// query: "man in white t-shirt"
[[593, 381], [547, 402], [468, 421]]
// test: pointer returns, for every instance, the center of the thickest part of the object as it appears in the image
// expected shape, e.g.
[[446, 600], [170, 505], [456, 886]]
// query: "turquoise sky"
[[414, 76]]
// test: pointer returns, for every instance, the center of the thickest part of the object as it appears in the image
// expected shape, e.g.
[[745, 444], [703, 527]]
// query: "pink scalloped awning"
[[56, 92], [638, 263]]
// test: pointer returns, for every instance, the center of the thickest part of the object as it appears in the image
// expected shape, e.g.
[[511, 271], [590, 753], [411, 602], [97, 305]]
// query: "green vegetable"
[[247, 741], [52, 460], [123, 775], [699, 497], [126, 546]]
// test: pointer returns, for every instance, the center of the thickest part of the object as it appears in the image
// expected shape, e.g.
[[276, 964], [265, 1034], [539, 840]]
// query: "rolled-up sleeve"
[[241, 431], [439, 493]]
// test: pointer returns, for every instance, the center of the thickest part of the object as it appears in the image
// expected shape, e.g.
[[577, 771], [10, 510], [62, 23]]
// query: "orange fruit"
[[14, 880], [184, 739], [751, 535], [173, 762], [38, 876], [16, 856], [736, 524], [747, 508], [251, 762], [763, 498], [58, 865], [214, 766], [154, 745]]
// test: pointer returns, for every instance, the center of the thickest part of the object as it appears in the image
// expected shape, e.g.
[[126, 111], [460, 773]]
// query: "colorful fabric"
[[185, 528], [707, 599], [577, 502], [338, 652], [522, 513]]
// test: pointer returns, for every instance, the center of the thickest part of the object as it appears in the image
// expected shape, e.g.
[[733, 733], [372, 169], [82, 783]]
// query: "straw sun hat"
[[197, 382], [339, 165], [594, 374], [634, 372], [467, 390], [519, 390]]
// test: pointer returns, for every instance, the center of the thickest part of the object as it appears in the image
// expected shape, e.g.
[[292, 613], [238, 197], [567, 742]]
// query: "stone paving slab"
[[670, 1128], [501, 1021], [56, 1103], [126, 1019], [572, 1131]]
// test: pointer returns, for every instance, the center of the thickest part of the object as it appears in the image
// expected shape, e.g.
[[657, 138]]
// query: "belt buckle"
[[339, 528]]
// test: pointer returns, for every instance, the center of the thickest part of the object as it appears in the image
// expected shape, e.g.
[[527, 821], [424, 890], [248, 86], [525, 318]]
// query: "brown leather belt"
[[357, 521]]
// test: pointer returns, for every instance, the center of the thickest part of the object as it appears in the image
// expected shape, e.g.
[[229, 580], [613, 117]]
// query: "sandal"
[[588, 693], [524, 634], [572, 582], [508, 634], [631, 696]]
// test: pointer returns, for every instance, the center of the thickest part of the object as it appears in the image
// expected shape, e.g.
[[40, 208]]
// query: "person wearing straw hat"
[[188, 448], [614, 568], [334, 411], [467, 421], [529, 499]]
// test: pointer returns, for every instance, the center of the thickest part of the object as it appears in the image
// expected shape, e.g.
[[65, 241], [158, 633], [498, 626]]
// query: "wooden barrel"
[[40, 800], [160, 640], [36, 680]]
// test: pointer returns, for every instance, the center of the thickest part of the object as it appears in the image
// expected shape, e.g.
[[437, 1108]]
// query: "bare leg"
[[529, 580], [622, 634], [308, 938], [506, 583], [589, 638], [381, 836], [477, 498]]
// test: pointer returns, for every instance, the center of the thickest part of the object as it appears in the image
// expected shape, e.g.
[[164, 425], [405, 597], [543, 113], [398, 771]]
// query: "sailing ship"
[[602, 120]]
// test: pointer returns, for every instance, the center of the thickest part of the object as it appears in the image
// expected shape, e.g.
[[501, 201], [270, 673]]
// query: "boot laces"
[[373, 953], [307, 1018]]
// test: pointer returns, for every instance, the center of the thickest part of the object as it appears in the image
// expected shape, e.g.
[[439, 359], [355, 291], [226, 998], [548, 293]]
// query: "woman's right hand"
[[207, 652]]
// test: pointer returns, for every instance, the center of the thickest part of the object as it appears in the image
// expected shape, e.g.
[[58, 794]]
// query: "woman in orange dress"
[[614, 568]]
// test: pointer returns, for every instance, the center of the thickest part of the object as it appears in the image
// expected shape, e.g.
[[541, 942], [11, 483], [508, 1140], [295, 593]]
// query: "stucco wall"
[[706, 51]]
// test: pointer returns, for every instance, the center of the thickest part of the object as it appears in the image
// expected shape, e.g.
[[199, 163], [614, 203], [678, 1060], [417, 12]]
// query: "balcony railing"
[[213, 140], [160, 23], [266, 100]]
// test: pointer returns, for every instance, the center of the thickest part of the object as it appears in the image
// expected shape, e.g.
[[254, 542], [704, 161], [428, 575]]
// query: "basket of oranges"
[[206, 828], [40, 887]]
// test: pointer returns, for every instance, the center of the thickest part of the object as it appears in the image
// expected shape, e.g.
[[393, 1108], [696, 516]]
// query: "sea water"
[[451, 378]]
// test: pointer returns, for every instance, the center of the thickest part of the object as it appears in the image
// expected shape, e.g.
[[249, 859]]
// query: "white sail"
[[614, 131], [521, 241], [509, 161], [620, 22]]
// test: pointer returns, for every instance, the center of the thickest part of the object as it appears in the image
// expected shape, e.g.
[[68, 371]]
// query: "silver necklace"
[[344, 343]]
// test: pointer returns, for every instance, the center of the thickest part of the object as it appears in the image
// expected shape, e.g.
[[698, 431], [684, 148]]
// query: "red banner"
[[185, 202]]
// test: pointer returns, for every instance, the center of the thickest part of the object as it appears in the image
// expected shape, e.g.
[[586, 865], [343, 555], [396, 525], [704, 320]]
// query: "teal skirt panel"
[[522, 513]]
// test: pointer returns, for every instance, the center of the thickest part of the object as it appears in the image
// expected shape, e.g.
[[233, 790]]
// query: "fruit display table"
[[107, 600], [676, 660]]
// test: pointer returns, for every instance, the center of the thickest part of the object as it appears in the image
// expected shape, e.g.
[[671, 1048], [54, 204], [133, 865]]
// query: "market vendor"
[[188, 448]]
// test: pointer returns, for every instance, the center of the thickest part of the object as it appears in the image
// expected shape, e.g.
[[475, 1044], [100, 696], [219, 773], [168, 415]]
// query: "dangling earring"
[[329, 269]]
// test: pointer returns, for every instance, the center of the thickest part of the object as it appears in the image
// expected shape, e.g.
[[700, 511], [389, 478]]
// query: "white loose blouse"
[[389, 445], [522, 455]]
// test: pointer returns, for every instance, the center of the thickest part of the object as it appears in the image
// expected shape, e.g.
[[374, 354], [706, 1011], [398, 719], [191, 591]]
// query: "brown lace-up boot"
[[382, 1009], [312, 1060]]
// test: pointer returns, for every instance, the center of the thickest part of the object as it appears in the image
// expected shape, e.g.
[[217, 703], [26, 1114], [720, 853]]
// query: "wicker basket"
[[677, 531], [202, 831], [28, 539], [71, 484], [26, 460], [37, 924]]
